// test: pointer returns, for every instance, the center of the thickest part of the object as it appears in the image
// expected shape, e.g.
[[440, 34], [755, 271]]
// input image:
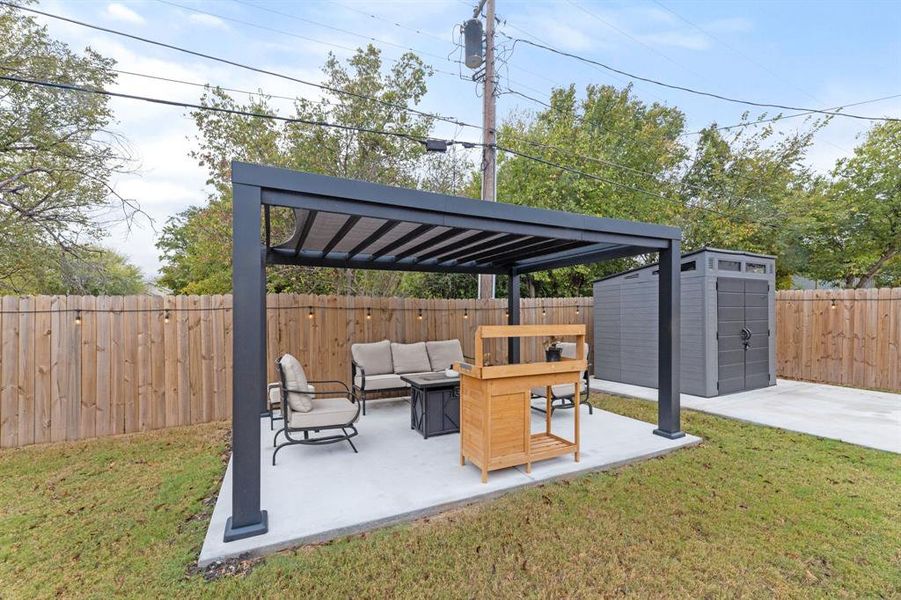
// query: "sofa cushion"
[[275, 395], [374, 383], [326, 412], [374, 357], [410, 358], [295, 380], [444, 353]]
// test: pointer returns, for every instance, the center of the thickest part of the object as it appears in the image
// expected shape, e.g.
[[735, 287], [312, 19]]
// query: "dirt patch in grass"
[[752, 512]]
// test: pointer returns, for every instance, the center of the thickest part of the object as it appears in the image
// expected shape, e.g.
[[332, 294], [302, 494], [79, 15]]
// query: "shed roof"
[[361, 225], [702, 250]]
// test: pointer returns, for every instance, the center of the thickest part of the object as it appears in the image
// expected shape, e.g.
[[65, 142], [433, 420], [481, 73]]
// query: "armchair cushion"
[[560, 390], [295, 380], [327, 412], [568, 350], [375, 357], [409, 358], [443, 354]]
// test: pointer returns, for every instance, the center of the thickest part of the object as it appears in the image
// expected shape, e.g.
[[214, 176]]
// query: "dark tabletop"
[[428, 380]]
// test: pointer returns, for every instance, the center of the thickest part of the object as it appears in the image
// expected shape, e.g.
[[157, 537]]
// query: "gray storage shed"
[[728, 323]]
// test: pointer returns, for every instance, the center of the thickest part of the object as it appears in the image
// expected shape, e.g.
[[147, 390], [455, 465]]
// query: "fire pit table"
[[434, 403]]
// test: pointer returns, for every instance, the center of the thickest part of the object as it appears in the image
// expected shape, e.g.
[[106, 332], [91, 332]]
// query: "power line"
[[233, 63], [302, 19], [232, 111], [700, 92], [397, 134], [783, 117], [721, 41]]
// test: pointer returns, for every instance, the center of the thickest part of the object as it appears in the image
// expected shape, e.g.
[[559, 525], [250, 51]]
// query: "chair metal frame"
[[307, 439]]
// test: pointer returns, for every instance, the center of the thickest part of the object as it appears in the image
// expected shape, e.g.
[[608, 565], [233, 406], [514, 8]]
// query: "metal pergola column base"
[[233, 533]]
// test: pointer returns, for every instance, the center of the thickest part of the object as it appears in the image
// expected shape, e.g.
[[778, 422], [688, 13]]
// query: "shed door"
[[743, 331]]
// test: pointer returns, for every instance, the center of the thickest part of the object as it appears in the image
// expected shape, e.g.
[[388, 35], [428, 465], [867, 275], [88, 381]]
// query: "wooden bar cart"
[[496, 402]]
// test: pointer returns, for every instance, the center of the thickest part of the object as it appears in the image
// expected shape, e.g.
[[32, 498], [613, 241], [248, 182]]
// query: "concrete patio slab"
[[861, 417], [319, 493]]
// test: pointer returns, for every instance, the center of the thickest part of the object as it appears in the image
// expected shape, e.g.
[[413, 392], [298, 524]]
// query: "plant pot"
[[552, 354]]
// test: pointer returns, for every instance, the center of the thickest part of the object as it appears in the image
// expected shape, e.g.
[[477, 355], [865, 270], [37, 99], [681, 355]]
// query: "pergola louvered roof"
[[355, 224]]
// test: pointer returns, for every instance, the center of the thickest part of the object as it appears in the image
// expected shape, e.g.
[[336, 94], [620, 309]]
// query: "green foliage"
[[629, 142], [195, 245], [853, 223], [57, 155], [746, 192]]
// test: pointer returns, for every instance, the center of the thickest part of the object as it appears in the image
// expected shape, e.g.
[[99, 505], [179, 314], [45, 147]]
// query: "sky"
[[817, 54]]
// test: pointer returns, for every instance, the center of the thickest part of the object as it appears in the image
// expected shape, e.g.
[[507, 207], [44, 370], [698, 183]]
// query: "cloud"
[[677, 39], [208, 21], [118, 12]]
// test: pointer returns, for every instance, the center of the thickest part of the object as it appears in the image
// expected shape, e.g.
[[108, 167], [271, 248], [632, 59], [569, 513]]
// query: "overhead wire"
[[701, 92], [239, 65], [313, 122]]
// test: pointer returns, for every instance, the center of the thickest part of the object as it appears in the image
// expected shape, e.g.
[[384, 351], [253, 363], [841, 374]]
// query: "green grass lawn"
[[752, 511]]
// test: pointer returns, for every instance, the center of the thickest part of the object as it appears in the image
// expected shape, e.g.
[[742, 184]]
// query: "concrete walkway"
[[862, 417]]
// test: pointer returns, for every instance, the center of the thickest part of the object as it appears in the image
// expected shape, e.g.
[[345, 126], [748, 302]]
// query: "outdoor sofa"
[[378, 366]]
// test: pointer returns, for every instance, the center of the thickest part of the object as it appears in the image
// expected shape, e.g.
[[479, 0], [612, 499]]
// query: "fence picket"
[[123, 368]]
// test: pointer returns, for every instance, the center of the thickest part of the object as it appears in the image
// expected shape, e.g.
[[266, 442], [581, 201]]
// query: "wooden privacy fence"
[[74, 367], [845, 337]]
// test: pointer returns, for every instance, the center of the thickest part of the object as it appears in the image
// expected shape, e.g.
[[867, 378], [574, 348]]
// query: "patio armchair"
[[562, 394], [307, 410], [378, 366]]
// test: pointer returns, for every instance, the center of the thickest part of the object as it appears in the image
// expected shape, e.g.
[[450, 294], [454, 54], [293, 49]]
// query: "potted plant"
[[552, 350]]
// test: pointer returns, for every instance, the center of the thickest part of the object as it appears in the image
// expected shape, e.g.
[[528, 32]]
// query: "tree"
[[630, 148], [196, 244], [747, 191], [57, 154], [853, 225]]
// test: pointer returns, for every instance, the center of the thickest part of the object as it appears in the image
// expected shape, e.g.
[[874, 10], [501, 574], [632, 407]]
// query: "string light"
[[465, 313], [310, 314], [577, 309], [543, 311], [832, 307], [420, 315], [78, 317], [166, 316], [368, 314]]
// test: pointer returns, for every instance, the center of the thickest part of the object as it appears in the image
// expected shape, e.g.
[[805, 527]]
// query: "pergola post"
[[249, 363], [669, 343], [513, 316]]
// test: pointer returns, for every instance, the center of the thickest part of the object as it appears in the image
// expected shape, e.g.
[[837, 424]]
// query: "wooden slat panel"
[[26, 375], [88, 369], [195, 360], [157, 364], [183, 370], [9, 372], [42, 361], [118, 360], [131, 391], [59, 363], [103, 411], [207, 371]]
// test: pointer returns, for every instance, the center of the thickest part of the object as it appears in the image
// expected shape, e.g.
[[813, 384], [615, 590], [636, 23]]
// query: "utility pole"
[[489, 133]]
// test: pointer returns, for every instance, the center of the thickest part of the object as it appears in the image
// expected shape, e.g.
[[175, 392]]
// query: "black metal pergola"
[[353, 224]]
